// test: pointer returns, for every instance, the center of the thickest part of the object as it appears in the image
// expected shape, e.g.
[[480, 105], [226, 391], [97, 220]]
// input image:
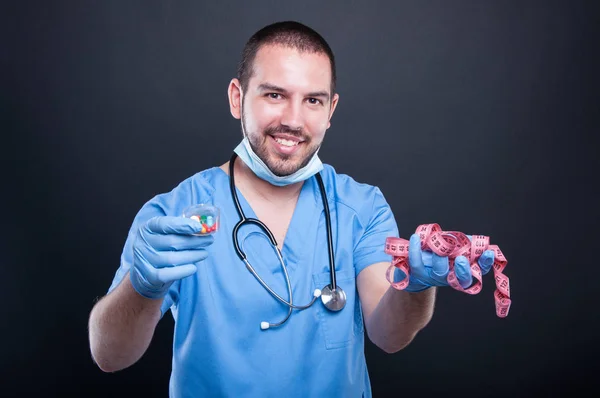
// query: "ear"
[[234, 93], [334, 103]]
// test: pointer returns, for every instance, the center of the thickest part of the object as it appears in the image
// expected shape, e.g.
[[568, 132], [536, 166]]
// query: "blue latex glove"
[[427, 269], [164, 250]]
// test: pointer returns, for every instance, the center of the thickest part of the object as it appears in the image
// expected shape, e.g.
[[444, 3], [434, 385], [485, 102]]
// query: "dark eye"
[[314, 101], [273, 95]]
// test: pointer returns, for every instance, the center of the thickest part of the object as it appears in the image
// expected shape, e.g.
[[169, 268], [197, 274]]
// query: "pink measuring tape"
[[453, 244]]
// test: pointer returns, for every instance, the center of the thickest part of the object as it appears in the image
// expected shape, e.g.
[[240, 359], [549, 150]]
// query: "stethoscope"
[[332, 296]]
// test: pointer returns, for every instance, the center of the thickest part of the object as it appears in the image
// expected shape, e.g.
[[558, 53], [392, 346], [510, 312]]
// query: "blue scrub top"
[[219, 349]]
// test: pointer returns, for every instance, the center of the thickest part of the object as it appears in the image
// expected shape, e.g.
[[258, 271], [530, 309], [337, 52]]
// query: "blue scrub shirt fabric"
[[219, 349]]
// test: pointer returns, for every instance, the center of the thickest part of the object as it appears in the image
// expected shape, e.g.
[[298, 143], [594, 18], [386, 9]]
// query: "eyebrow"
[[272, 87]]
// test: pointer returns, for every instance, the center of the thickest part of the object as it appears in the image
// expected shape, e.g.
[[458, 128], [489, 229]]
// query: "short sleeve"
[[380, 225]]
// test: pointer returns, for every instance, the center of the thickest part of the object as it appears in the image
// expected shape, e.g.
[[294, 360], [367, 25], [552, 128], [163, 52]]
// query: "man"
[[233, 337]]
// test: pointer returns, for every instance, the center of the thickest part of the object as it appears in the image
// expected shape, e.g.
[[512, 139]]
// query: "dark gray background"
[[478, 115]]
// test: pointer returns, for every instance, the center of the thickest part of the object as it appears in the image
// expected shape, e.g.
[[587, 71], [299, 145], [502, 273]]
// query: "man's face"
[[287, 107]]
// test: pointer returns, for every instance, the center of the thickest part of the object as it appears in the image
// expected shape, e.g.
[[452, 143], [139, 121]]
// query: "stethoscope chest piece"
[[333, 299]]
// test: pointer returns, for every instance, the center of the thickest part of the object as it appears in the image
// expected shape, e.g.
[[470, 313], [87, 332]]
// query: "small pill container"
[[207, 215]]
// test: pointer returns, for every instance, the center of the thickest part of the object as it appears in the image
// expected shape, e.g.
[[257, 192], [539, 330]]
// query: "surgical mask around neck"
[[245, 152]]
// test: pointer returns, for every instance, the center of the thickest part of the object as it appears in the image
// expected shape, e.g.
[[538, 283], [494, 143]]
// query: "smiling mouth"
[[287, 143]]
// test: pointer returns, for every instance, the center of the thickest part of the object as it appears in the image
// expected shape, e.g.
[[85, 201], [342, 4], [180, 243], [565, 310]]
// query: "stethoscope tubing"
[[242, 255], [243, 220]]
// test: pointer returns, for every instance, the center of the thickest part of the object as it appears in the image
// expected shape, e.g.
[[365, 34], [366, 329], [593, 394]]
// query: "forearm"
[[399, 316], [121, 326]]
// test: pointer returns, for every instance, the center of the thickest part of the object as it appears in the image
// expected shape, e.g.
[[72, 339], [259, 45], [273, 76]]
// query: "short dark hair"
[[286, 33]]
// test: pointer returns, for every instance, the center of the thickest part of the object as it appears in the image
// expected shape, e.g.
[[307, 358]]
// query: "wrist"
[[417, 288], [413, 285], [145, 288]]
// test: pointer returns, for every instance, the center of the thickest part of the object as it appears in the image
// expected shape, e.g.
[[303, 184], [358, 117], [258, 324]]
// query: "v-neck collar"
[[308, 209]]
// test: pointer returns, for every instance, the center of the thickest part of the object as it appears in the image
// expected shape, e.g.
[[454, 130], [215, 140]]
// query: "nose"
[[292, 116]]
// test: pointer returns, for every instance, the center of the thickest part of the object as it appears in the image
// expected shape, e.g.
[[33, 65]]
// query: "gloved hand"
[[164, 250], [427, 269]]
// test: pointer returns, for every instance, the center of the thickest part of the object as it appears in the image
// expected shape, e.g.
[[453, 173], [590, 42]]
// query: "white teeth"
[[286, 142]]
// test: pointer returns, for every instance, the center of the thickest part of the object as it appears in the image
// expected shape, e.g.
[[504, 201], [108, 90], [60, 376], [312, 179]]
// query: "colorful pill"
[[210, 221]]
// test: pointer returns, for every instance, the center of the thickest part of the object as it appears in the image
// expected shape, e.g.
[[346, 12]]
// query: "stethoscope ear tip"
[[317, 293], [264, 325]]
